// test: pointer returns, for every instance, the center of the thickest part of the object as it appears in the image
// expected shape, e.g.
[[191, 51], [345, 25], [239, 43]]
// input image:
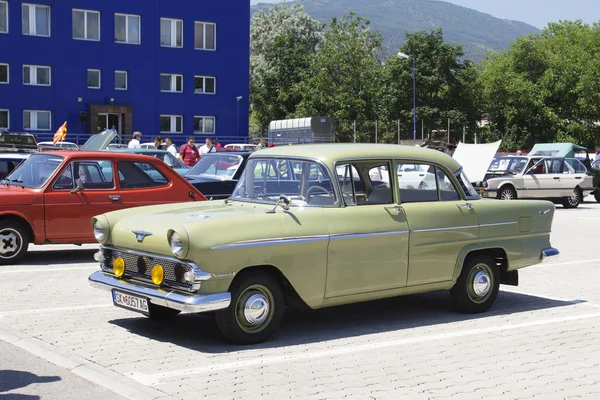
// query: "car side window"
[[91, 175], [365, 183], [553, 166], [137, 175], [417, 183], [447, 189]]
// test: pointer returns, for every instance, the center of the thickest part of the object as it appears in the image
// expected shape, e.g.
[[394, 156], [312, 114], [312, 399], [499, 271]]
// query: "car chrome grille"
[[141, 266]]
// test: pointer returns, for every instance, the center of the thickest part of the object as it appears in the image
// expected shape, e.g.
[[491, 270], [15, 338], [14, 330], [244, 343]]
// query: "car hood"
[[15, 196], [99, 141], [476, 158]]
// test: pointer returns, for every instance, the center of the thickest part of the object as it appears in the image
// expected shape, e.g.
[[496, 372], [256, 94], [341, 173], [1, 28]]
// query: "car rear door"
[[574, 174]]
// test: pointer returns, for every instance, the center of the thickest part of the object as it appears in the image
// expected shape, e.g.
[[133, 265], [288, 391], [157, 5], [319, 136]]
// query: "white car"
[[59, 145], [241, 147]]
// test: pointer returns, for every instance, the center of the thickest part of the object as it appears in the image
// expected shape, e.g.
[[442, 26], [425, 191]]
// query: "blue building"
[[162, 67]]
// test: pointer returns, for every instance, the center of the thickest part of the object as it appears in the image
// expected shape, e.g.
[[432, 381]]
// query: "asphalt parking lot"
[[540, 340]]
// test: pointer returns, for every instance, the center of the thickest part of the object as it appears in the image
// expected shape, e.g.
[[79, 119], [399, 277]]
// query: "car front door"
[[574, 174], [441, 224], [535, 179], [69, 209], [368, 248]]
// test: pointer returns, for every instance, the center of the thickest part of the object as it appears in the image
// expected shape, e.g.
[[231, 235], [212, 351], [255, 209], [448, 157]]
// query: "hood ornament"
[[141, 235]]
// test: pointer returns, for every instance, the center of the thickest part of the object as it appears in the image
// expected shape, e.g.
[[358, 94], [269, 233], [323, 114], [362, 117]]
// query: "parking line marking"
[[23, 270], [155, 379], [54, 309], [551, 264]]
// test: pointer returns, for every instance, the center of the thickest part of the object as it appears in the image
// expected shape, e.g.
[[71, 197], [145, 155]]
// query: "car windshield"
[[508, 164], [35, 171], [167, 158], [304, 183], [217, 165]]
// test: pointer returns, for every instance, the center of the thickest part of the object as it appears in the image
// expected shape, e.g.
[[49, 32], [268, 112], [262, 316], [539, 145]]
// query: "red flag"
[[61, 133]]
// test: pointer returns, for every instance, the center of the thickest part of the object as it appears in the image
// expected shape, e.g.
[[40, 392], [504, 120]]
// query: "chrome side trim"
[[162, 297], [499, 224], [550, 254], [362, 235], [272, 241], [444, 229], [200, 274]]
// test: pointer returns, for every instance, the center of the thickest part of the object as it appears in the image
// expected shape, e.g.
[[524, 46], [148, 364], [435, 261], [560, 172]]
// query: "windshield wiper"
[[18, 181]]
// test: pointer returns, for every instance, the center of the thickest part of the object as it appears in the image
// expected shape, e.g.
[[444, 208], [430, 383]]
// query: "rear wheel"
[[574, 200], [255, 311], [477, 286], [507, 193], [14, 242]]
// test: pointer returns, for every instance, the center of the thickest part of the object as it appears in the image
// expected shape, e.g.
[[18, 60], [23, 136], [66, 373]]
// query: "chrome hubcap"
[[256, 309], [506, 195], [10, 243], [574, 199], [481, 283]]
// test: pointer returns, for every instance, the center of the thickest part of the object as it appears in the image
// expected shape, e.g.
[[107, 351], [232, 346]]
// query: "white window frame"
[[204, 117], [204, 84], [127, 41], [173, 25], [126, 79], [204, 35], [7, 74], [7, 17], [173, 83], [85, 22], [34, 127], [33, 75], [32, 19], [173, 123], [7, 118], [99, 79]]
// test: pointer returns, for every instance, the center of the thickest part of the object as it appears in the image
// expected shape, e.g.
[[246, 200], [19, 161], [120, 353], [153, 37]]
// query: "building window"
[[171, 124], [171, 32], [205, 84], [205, 34], [127, 28], [37, 120], [121, 80], [86, 25], [36, 75], [4, 119], [93, 79], [3, 73], [204, 124], [3, 16], [36, 20], [171, 83]]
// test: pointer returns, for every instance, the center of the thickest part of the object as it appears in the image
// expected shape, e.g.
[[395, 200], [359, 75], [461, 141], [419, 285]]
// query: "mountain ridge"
[[478, 32]]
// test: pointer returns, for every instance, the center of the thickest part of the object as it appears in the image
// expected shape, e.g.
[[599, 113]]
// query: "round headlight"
[[98, 231], [485, 184], [176, 244]]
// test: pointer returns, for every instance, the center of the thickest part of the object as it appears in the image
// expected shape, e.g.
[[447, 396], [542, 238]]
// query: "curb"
[[88, 370]]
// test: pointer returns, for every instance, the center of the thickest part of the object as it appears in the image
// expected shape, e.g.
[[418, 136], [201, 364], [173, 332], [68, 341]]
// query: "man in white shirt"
[[171, 147], [207, 148], [135, 142]]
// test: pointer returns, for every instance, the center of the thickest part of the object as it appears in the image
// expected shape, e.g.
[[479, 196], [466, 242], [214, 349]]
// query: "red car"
[[51, 196]]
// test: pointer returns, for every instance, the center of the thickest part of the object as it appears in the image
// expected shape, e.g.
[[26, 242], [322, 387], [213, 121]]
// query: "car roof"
[[100, 154], [142, 150], [331, 152], [15, 155], [229, 152]]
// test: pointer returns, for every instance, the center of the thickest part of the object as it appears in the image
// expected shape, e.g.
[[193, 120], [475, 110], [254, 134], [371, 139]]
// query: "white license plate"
[[130, 302]]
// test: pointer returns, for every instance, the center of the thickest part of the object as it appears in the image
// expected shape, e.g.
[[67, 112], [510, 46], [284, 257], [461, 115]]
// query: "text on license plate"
[[131, 302]]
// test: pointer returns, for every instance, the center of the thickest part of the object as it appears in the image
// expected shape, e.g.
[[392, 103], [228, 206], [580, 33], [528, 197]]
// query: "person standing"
[[171, 147], [189, 152], [207, 147], [218, 145], [135, 142], [597, 154], [158, 143], [261, 144]]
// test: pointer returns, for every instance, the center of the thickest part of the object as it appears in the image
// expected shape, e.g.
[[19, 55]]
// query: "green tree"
[[282, 45], [545, 87], [447, 87], [344, 80]]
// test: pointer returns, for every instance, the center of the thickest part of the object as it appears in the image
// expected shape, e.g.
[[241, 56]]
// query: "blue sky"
[[535, 12]]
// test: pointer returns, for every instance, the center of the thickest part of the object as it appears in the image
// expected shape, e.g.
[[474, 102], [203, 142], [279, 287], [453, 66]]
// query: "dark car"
[[216, 174]]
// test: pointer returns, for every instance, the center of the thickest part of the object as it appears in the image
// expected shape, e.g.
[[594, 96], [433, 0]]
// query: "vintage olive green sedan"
[[316, 226]]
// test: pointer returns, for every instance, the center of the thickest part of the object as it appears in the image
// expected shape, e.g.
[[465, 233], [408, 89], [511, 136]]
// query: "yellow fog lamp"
[[158, 274], [119, 266]]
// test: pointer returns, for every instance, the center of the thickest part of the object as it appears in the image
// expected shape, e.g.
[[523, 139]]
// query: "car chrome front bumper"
[[162, 297], [550, 254]]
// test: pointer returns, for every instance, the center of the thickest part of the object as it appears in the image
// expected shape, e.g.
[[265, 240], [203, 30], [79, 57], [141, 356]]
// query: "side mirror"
[[78, 186], [284, 202]]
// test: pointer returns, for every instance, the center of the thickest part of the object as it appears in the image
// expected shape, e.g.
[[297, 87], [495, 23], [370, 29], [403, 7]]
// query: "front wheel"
[[477, 286], [507, 193], [14, 242], [574, 200], [255, 311]]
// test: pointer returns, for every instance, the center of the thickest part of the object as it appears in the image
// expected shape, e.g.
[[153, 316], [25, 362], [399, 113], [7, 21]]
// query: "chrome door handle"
[[556, 177], [468, 206], [396, 208], [115, 197]]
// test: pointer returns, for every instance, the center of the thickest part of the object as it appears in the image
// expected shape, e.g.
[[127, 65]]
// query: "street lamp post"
[[238, 115], [406, 56]]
